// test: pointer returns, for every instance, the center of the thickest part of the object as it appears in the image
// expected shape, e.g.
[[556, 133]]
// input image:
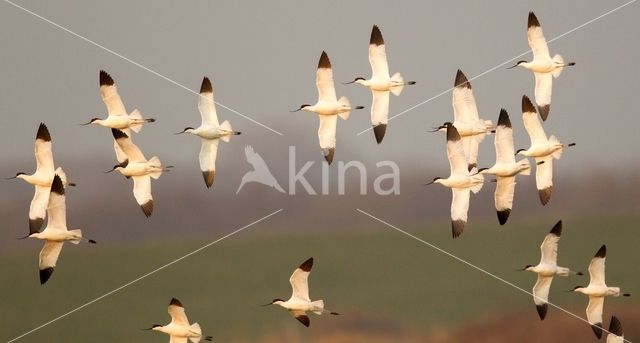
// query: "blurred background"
[[261, 58]]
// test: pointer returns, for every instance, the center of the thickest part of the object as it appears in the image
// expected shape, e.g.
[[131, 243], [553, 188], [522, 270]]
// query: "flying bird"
[[56, 233], [137, 167], [461, 181], [260, 173], [615, 331], [42, 178], [544, 68], [117, 117], [543, 149], [471, 128], [597, 290], [210, 131], [547, 269], [380, 84], [300, 303], [506, 167], [328, 107], [179, 330]]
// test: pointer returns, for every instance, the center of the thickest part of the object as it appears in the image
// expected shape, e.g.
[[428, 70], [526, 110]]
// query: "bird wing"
[[378, 55], [464, 103], [505, 188], [110, 97], [49, 254], [544, 84], [594, 309], [177, 314], [549, 249], [534, 128], [142, 189], [541, 290], [133, 153], [504, 141], [537, 42], [324, 80], [470, 145], [301, 317], [56, 210], [208, 154], [42, 150], [206, 105], [38, 208], [327, 131], [544, 173], [379, 107], [455, 152], [616, 335], [596, 271], [460, 204], [299, 281]]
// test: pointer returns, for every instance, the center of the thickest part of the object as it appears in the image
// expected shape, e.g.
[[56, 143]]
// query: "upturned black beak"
[[513, 66], [109, 171], [348, 83], [296, 110], [85, 124], [430, 183], [181, 132], [10, 178], [151, 328], [436, 129], [266, 304]]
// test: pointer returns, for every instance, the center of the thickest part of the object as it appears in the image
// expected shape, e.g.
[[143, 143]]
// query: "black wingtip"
[[209, 177], [35, 225], [461, 80], [324, 61], [542, 310], [147, 208], [544, 111], [470, 166], [602, 252], [118, 134], [206, 86], [545, 195], [557, 229], [105, 79], [503, 216], [527, 106], [452, 133], [376, 36], [503, 119], [304, 319], [175, 302], [43, 133], [597, 329], [57, 186], [328, 154], [45, 274], [306, 265], [457, 226], [615, 327], [532, 20], [379, 131]]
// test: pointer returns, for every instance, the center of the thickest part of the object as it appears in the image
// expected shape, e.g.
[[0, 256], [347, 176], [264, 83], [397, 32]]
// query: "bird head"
[[442, 127], [303, 107], [517, 64], [154, 327], [188, 129], [482, 171], [119, 166], [358, 80], [93, 120], [521, 152], [18, 176], [276, 301], [527, 267], [435, 180], [577, 289]]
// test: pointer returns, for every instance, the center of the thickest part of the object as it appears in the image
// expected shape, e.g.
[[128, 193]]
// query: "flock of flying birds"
[[463, 136]]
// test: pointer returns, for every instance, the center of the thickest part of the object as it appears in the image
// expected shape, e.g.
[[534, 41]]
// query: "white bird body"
[[179, 329], [597, 290], [299, 303], [461, 180], [544, 67]]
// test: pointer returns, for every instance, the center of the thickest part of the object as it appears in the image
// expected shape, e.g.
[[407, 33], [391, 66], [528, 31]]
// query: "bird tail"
[[137, 117], [397, 77], [558, 153], [558, 59], [562, 271], [318, 307], [344, 101], [195, 328], [155, 162], [226, 126], [479, 178], [77, 233], [525, 162]]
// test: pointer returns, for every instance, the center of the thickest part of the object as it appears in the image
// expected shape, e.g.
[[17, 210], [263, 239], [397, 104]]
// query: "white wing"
[[541, 290], [133, 153], [120, 155], [206, 105], [324, 80], [471, 144], [378, 55], [596, 271], [379, 107], [38, 208], [56, 211], [594, 310], [177, 315], [537, 42], [503, 196], [208, 154], [44, 156], [455, 152], [544, 83], [142, 189], [110, 96], [549, 249], [504, 145], [460, 204], [544, 177], [299, 281], [327, 131], [49, 254], [464, 103]]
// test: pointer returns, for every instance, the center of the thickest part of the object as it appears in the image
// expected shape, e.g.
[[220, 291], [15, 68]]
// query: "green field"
[[383, 282]]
